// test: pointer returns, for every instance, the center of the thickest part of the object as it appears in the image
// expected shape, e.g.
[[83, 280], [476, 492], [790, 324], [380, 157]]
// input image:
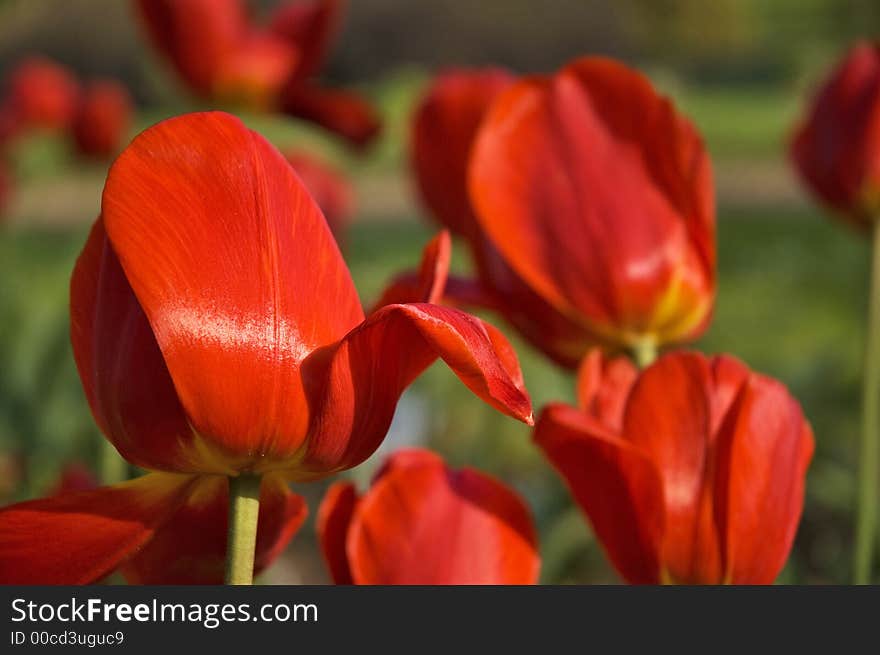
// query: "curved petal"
[[123, 374], [79, 538], [615, 485], [765, 447], [195, 35], [429, 284], [342, 112], [618, 237], [357, 382], [427, 524], [443, 131], [670, 416], [310, 26], [232, 263], [603, 386], [334, 519], [190, 548]]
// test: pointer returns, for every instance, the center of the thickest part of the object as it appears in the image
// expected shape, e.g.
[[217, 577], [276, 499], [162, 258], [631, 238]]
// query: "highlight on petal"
[[630, 264], [310, 27], [190, 548], [235, 294], [364, 375], [79, 538], [424, 523], [341, 112], [334, 519], [616, 486], [443, 132]]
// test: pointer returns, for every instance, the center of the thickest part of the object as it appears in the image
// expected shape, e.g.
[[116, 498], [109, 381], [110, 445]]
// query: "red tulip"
[[693, 473], [208, 346], [42, 94], [74, 477], [424, 523], [102, 119], [329, 188], [836, 149], [221, 55]]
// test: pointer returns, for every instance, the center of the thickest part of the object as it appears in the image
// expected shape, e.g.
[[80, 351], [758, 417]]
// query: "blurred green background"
[[792, 283]]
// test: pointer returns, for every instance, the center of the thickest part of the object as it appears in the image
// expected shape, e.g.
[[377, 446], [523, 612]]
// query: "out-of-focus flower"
[[103, 118], [692, 473], [836, 149], [40, 94], [75, 476], [330, 189], [222, 55], [424, 523], [589, 204], [218, 332]]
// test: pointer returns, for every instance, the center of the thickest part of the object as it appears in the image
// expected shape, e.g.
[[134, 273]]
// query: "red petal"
[[835, 148], [330, 189], [445, 124], [254, 72], [615, 485], [669, 418], [765, 447], [191, 547], [102, 119], [122, 370], [429, 284], [310, 26], [195, 35], [334, 519], [78, 538], [367, 371], [621, 237], [603, 386], [233, 265], [427, 524], [341, 112]]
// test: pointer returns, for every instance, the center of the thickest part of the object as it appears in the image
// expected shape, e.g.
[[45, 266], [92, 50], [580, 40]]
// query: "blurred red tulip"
[[10, 125], [620, 238], [424, 523], [836, 149], [693, 473], [102, 119], [207, 347], [329, 188], [616, 248], [41, 94], [222, 55], [74, 477]]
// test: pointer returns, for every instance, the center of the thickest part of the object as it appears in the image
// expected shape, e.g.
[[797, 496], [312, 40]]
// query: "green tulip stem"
[[869, 453], [241, 543]]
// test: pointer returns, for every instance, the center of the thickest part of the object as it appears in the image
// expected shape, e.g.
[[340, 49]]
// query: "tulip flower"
[[616, 246], [836, 150], [102, 119], [691, 472], [219, 337], [41, 94], [424, 523], [330, 189], [222, 55]]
